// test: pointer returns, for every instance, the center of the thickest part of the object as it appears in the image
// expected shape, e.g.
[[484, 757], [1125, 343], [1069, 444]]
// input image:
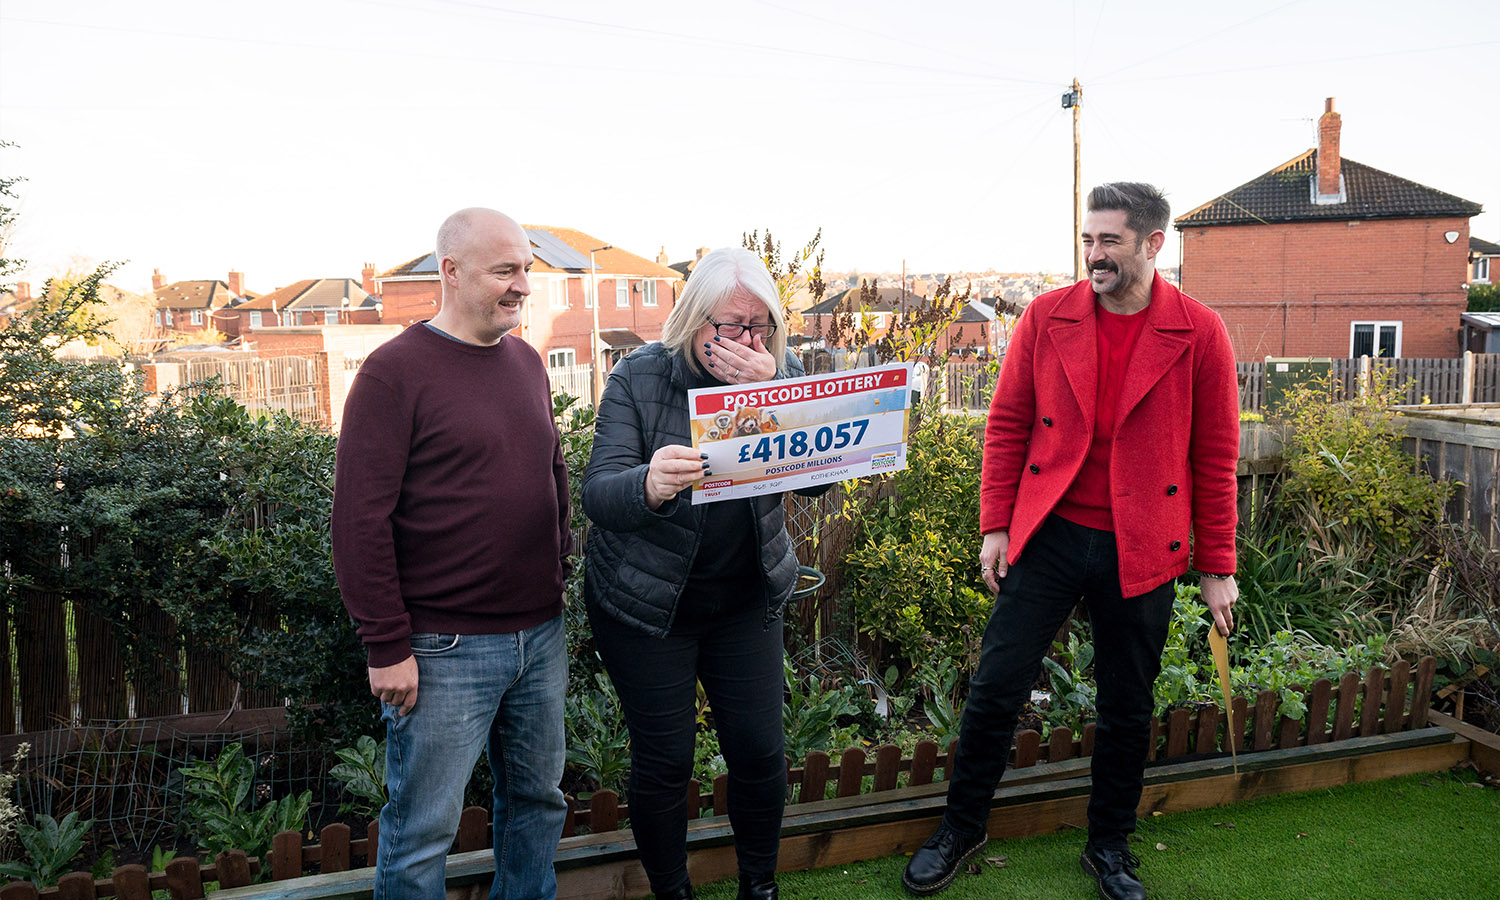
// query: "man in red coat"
[[1109, 456]]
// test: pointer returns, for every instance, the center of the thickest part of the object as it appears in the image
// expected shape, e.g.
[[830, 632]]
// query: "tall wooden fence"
[[1380, 702]]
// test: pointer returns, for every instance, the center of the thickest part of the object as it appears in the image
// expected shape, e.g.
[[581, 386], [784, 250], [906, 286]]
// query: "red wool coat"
[[1176, 440]]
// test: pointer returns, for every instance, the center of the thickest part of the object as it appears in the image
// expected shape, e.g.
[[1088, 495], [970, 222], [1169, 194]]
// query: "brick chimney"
[[367, 279], [662, 259], [22, 291], [158, 280], [1329, 161]]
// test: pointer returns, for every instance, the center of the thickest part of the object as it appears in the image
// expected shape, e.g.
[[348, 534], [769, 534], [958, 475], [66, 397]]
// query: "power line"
[[743, 45], [1309, 62], [1153, 57]]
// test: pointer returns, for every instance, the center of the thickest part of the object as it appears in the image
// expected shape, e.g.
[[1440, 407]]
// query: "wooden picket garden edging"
[[1358, 729]]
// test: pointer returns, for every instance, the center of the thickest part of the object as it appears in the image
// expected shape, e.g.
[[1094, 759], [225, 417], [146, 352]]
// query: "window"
[[588, 291], [554, 289], [330, 317], [1382, 339], [254, 318], [197, 317], [167, 313], [1482, 269], [558, 359], [159, 318], [648, 293], [622, 293]]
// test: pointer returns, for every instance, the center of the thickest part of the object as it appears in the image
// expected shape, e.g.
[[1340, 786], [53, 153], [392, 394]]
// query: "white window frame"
[[648, 292], [1376, 325], [590, 286], [168, 314], [555, 288], [1482, 269], [563, 358], [159, 320], [622, 293], [255, 318], [197, 317], [330, 316]]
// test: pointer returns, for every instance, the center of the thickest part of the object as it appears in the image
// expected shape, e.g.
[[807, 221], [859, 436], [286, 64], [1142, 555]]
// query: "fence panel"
[[575, 380], [1486, 378], [287, 383]]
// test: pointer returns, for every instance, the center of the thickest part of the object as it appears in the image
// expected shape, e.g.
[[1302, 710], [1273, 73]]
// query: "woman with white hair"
[[680, 594]]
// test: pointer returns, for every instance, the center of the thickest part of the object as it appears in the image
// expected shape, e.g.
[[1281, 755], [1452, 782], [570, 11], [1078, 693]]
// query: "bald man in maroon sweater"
[[451, 542]]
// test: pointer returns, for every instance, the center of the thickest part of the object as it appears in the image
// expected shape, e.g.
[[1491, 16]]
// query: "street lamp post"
[[597, 362]]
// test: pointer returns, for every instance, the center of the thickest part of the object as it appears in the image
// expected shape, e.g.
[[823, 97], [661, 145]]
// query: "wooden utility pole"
[[1074, 99]]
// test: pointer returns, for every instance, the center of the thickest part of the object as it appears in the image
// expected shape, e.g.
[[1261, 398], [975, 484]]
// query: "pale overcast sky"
[[300, 139]]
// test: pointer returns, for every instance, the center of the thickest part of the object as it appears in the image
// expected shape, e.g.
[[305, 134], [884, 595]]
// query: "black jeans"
[[739, 662], [1061, 563]]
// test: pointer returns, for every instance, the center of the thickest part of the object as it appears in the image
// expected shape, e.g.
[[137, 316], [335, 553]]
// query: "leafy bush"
[[220, 808], [361, 772], [598, 741], [1484, 298], [910, 571], [811, 714], [1347, 464], [50, 847]]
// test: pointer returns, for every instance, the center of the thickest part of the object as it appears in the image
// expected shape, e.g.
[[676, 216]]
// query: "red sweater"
[[450, 508], [1087, 501]]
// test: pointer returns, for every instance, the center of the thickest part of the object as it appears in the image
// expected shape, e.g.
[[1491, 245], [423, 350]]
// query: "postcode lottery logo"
[[885, 460]]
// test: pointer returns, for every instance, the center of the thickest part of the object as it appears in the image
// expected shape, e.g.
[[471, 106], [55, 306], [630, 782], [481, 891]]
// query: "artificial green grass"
[[1420, 837]]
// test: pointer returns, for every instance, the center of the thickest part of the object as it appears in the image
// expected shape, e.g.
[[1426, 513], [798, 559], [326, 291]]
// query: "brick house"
[[312, 301], [189, 306], [558, 320], [1484, 261], [1325, 256]]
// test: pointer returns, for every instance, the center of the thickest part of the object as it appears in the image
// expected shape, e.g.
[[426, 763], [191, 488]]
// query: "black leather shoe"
[[1113, 869], [758, 887], [933, 866], [683, 893]]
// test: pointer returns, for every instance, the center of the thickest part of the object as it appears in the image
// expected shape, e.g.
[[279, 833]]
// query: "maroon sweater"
[[450, 506]]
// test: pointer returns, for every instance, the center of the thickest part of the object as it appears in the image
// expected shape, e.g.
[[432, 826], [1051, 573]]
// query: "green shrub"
[[361, 772], [222, 812], [910, 572], [50, 847]]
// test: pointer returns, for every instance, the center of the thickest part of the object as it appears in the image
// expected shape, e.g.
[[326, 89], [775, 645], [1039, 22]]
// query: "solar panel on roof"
[[551, 250]]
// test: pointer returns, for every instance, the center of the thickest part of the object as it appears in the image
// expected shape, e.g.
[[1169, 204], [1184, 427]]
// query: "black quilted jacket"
[[638, 559]]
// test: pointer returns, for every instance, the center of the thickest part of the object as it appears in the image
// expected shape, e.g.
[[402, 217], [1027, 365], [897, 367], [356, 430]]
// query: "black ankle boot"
[[758, 887], [1113, 869], [683, 893], [936, 862]]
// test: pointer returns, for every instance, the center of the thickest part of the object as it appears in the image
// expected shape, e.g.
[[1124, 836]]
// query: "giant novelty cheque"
[[780, 435]]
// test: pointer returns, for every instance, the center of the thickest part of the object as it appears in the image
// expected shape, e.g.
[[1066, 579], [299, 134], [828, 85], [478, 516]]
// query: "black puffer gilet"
[[638, 558]]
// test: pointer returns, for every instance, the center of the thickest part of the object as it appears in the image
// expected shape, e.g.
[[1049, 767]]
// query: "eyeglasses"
[[733, 330]]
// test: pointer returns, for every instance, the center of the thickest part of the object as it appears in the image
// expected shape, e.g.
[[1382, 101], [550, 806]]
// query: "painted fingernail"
[[705, 466], [708, 471], [703, 456], [707, 344], [716, 337], [710, 365]]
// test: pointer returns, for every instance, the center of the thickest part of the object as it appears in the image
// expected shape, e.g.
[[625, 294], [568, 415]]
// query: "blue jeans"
[[504, 689]]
